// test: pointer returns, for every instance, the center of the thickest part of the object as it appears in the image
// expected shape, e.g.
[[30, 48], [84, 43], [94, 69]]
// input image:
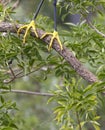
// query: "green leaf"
[[8, 128], [96, 127], [2, 99], [81, 124]]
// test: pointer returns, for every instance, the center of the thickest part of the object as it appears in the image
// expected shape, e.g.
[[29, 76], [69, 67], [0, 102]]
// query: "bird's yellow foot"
[[28, 27], [54, 36]]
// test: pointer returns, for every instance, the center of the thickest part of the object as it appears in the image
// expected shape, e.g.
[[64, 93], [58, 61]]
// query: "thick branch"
[[65, 53]]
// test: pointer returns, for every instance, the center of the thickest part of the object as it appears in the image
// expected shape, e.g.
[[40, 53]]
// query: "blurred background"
[[34, 112]]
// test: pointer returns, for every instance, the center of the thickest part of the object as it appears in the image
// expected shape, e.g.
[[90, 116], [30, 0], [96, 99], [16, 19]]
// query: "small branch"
[[94, 28], [65, 53], [19, 75], [27, 92], [5, 2], [12, 72], [79, 124], [16, 4]]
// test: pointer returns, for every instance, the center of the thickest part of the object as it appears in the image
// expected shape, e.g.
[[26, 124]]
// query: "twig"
[[94, 28], [16, 4], [27, 92], [12, 72], [5, 2], [19, 75], [79, 124], [65, 53]]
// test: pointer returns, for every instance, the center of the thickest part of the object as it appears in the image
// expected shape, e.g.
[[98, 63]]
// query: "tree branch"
[[26, 92], [65, 53], [18, 75], [16, 4], [94, 28]]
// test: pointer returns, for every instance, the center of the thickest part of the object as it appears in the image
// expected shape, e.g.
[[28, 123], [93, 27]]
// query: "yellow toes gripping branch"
[[54, 36], [32, 25], [28, 27]]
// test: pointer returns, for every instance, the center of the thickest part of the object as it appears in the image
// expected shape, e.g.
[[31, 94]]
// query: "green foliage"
[[81, 6], [7, 112], [5, 13], [77, 105]]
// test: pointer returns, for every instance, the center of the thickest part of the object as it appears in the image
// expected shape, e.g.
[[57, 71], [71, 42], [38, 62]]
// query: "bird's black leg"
[[31, 24], [38, 9], [55, 15], [55, 33]]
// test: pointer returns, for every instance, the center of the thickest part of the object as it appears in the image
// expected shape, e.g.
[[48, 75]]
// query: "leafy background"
[[75, 102]]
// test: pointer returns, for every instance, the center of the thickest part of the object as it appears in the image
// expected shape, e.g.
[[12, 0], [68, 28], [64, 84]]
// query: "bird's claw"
[[54, 36], [28, 27]]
